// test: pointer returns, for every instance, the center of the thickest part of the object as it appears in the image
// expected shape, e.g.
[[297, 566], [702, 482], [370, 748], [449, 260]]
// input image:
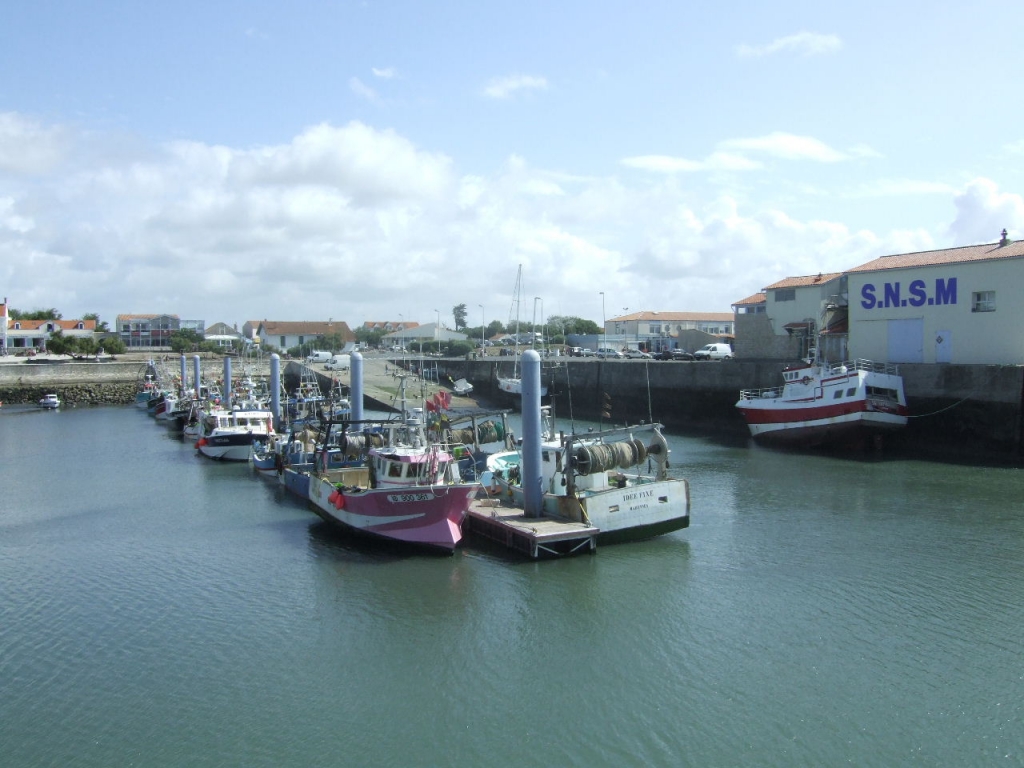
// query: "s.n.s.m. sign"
[[916, 295]]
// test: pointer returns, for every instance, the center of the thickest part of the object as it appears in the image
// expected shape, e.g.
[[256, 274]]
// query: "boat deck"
[[532, 536]]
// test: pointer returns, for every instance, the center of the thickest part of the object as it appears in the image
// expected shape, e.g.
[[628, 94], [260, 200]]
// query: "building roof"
[[222, 329], [961, 255], [797, 282], [669, 317], [383, 325], [64, 325], [757, 298], [306, 328], [143, 317]]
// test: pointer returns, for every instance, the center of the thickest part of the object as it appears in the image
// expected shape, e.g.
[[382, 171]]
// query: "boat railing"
[[829, 370]]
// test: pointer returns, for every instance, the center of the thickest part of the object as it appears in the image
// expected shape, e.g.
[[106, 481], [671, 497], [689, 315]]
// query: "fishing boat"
[[615, 481], [228, 435], [409, 488], [49, 402], [823, 403]]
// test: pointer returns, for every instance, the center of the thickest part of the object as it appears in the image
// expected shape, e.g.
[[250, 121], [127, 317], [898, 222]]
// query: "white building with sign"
[[955, 305]]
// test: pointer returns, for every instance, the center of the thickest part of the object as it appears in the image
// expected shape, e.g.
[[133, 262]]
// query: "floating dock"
[[534, 537]]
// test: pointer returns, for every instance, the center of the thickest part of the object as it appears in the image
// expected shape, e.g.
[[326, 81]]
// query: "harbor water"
[[161, 609]]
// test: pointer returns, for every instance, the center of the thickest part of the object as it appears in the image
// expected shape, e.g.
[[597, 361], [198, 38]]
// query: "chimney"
[[1004, 240]]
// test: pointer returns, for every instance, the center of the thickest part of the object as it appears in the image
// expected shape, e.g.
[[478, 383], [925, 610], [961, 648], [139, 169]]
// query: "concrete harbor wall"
[[961, 411], [966, 412]]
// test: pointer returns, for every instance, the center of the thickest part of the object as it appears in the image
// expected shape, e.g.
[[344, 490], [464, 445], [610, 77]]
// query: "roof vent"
[[1004, 240]]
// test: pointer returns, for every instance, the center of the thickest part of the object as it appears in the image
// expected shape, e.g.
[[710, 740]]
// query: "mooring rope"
[[934, 413]]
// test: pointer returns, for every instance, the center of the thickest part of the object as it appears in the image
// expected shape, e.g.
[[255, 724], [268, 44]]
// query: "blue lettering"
[[867, 296], [917, 293], [892, 294], [945, 291]]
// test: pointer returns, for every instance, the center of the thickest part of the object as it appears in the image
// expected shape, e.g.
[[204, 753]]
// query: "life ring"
[[806, 380]]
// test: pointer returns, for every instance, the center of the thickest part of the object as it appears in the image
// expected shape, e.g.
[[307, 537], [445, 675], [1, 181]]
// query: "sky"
[[388, 161]]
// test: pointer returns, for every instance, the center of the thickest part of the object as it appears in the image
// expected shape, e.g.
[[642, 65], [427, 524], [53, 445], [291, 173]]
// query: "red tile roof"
[[673, 316], [797, 282], [961, 255], [757, 298]]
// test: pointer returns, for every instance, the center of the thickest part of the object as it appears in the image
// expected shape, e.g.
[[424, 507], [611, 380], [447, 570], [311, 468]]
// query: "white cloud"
[[802, 43], [28, 147], [982, 211], [362, 90], [386, 73], [787, 146], [506, 87], [357, 223]]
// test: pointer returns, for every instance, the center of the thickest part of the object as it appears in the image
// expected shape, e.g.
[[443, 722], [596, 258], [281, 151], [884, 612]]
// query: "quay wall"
[[968, 411]]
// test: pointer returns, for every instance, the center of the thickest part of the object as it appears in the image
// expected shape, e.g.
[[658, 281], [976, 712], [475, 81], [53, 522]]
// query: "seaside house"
[[285, 334], [153, 331]]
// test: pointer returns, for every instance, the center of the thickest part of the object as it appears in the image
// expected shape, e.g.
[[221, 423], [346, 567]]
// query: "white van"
[[338, 363], [318, 357], [713, 352]]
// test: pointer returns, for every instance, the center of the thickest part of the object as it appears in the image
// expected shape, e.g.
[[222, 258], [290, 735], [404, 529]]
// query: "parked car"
[[574, 351], [608, 353], [338, 363], [637, 354], [713, 352], [584, 352], [673, 354]]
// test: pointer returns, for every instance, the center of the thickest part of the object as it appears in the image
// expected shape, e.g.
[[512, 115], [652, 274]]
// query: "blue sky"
[[377, 160]]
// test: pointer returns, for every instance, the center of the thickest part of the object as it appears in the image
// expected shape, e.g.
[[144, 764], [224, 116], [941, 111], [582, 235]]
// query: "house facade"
[[285, 334], [953, 305], [153, 331], [223, 335], [667, 330], [33, 334]]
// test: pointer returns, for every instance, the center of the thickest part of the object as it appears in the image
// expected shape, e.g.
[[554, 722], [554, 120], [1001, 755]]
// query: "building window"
[[983, 301], [785, 294]]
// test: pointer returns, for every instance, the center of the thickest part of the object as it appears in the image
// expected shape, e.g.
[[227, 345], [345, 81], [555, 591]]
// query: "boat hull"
[[806, 427], [427, 517], [230, 447], [634, 513], [821, 404]]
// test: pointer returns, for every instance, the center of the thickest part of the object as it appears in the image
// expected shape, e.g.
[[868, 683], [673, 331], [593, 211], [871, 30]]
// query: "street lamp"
[[437, 330], [604, 323], [483, 327]]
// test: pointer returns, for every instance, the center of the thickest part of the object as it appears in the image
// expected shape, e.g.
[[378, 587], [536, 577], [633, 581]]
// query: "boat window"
[[395, 470], [837, 394], [851, 392]]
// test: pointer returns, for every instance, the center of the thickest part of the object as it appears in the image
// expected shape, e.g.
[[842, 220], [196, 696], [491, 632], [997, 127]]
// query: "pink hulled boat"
[[409, 490], [822, 402]]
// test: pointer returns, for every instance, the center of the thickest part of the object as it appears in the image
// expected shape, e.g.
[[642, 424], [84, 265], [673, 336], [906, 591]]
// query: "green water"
[[160, 609]]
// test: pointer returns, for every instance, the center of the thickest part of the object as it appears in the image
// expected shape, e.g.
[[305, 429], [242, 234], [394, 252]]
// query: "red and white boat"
[[820, 403], [409, 490]]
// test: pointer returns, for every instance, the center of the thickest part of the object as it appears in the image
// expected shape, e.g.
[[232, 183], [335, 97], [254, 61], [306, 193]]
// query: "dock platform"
[[534, 537]]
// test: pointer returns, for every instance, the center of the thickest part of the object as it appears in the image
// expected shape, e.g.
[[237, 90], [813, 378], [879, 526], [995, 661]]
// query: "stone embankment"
[[74, 382]]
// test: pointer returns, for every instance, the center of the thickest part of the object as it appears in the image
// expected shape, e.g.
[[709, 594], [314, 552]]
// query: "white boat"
[[229, 435], [599, 479], [826, 403], [49, 402], [462, 388], [512, 386]]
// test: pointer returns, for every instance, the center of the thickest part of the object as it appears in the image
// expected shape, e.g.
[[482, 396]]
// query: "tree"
[[101, 325], [570, 324], [35, 314], [459, 313], [185, 340], [59, 344]]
